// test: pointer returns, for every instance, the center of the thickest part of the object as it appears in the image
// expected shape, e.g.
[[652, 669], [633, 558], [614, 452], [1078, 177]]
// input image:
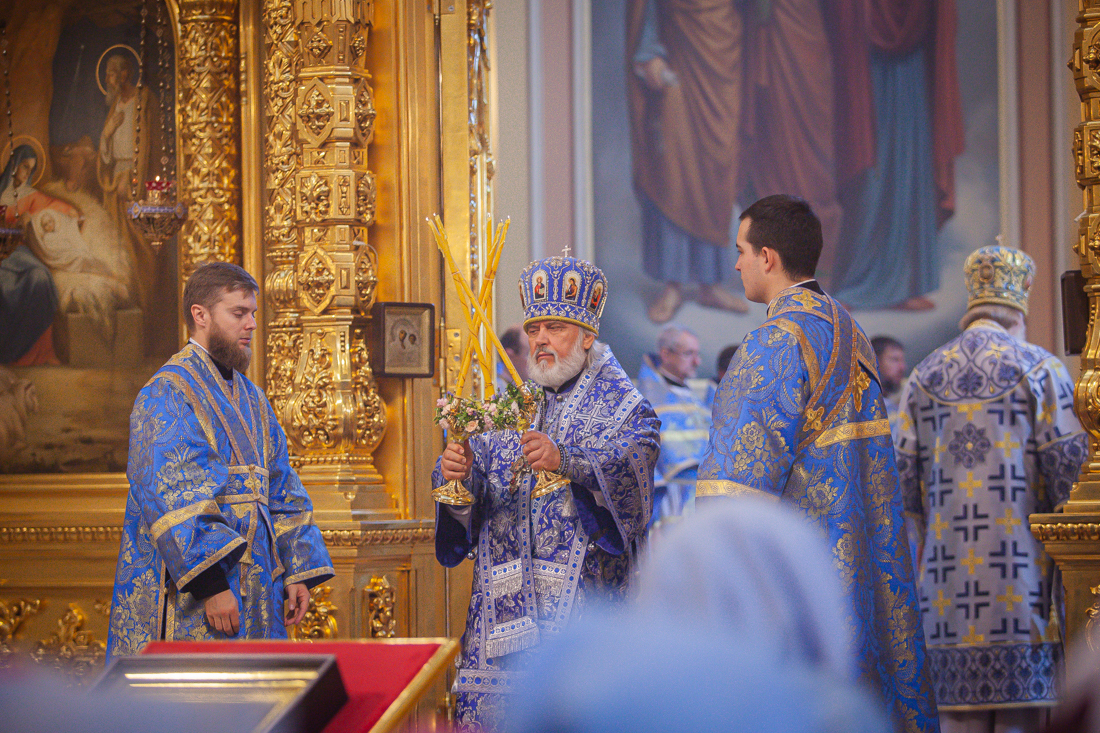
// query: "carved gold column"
[[209, 132], [282, 62], [335, 417], [1072, 537]]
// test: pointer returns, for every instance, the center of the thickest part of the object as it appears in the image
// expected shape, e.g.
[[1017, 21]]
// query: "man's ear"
[[771, 259], [198, 315], [589, 339]]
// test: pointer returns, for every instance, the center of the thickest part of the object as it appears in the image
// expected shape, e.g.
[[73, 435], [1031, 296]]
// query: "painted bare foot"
[[667, 303], [916, 303], [715, 296]]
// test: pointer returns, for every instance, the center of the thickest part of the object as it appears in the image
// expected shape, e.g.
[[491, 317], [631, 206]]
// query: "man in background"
[[890, 355], [685, 419]]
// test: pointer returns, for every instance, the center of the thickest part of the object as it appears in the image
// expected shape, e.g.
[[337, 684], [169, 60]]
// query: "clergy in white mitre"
[[539, 560]]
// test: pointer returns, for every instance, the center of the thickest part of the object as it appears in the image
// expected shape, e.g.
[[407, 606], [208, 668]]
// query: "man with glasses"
[[685, 419]]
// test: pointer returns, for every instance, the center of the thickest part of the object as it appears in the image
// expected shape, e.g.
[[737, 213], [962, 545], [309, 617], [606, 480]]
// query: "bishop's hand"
[[541, 452], [457, 461]]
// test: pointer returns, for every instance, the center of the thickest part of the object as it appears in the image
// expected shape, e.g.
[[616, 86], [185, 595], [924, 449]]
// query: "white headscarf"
[[753, 567]]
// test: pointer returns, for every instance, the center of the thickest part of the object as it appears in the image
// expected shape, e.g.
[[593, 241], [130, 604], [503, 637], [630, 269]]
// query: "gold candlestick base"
[[453, 493], [547, 483]]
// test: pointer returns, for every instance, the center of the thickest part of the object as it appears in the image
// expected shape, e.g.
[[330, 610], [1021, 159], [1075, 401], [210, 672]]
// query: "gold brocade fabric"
[[800, 417], [210, 484]]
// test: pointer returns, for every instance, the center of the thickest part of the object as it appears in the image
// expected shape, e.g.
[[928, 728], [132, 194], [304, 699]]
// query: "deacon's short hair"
[[210, 282], [787, 225]]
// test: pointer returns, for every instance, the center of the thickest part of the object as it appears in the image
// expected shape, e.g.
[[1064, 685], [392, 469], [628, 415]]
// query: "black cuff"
[[209, 582]]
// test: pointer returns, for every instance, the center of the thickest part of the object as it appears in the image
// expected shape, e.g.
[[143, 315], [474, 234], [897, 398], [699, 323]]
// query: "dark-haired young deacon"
[[218, 529], [799, 418]]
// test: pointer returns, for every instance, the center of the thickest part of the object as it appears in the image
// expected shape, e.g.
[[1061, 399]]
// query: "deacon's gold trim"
[[722, 487], [681, 407], [306, 575], [853, 431], [808, 353], [249, 469], [178, 516], [287, 522], [210, 561]]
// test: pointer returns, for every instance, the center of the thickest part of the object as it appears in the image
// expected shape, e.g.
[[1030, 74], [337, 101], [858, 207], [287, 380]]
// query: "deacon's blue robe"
[[800, 417], [210, 484], [685, 430], [538, 562]]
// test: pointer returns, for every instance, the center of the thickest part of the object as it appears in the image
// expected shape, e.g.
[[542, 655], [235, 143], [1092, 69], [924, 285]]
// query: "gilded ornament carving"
[[320, 619], [365, 112], [381, 600], [12, 616], [366, 279], [365, 195], [71, 650], [314, 194], [373, 537], [370, 413], [12, 535], [209, 132], [319, 45], [316, 278], [1075, 532], [358, 44], [283, 349], [343, 186], [317, 112], [1091, 613], [316, 420], [334, 415]]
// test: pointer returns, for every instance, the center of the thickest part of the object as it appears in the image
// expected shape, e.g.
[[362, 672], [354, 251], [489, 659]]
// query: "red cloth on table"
[[374, 674]]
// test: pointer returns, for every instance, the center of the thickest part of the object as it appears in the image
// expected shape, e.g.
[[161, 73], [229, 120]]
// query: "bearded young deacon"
[[539, 560], [219, 532], [799, 418]]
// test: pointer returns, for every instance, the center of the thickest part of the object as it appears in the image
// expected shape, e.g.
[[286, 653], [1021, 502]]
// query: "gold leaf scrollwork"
[[283, 350], [315, 415], [314, 195], [320, 619], [365, 195], [381, 600], [71, 650], [317, 112], [370, 413], [315, 280]]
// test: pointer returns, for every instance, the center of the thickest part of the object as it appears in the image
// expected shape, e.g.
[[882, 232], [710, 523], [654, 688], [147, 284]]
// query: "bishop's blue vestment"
[[539, 561], [800, 417], [210, 484], [987, 436]]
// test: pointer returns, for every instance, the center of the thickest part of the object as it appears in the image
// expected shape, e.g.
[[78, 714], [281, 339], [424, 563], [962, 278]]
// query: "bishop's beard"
[[561, 370], [227, 351]]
